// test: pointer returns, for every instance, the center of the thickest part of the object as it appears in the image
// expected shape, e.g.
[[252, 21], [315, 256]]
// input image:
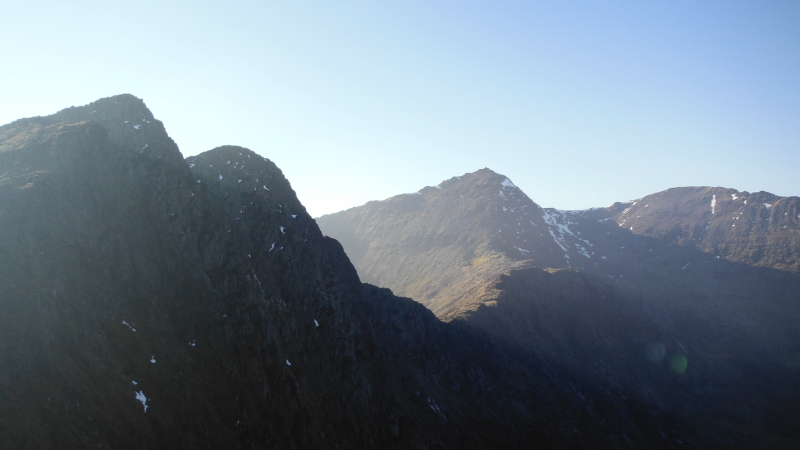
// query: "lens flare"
[[679, 363]]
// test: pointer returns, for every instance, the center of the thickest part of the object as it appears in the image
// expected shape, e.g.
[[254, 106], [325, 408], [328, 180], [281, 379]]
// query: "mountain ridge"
[[704, 309], [680, 216], [146, 302]]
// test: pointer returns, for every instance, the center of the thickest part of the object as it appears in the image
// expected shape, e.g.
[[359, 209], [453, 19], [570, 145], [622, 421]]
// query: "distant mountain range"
[[687, 299], [152, 301]]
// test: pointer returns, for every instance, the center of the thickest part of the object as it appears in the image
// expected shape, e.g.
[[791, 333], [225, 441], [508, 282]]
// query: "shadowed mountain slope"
[[152, 302], [611, 304]]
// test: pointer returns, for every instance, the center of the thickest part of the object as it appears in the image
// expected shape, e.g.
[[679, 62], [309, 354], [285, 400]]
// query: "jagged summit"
[[122, 106], [125, 118]]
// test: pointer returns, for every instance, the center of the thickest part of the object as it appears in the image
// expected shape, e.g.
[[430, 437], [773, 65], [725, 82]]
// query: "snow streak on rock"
[[141, 397], [558, 223]]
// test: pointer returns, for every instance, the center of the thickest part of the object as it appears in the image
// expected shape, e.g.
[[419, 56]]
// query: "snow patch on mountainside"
[[558, 225]]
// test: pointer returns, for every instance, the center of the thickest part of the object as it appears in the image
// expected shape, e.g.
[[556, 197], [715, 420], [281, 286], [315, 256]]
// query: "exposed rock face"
[[612, 305], [758, 229], [152, 302]]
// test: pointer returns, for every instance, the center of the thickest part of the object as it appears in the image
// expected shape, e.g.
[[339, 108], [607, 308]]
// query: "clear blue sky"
[[580, 103]]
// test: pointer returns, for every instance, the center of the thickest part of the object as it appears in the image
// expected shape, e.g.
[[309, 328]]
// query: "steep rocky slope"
[[710, 338], [152, 302]]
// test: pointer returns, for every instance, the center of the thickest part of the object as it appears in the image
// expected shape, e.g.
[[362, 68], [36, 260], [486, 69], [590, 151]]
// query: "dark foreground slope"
[[709, 339], [147, 302]]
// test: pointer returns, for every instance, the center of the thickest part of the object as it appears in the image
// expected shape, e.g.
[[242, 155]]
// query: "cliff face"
[[610, 302], [152, 302]]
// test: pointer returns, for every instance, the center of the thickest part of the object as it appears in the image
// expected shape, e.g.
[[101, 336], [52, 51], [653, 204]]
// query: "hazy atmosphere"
[[409, 225], [580, 103]]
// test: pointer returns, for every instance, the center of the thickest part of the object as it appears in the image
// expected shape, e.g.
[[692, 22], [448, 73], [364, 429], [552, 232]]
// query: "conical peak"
[[484, 184], [484, 175], [480, 179]]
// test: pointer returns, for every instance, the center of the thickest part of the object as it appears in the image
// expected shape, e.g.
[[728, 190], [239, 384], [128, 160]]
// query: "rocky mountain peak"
[[510, 222], [123, 106], [479, 177], [468, 227], [484, 184], [494, 191], [128, 122], [237, 168], [254, 191]]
